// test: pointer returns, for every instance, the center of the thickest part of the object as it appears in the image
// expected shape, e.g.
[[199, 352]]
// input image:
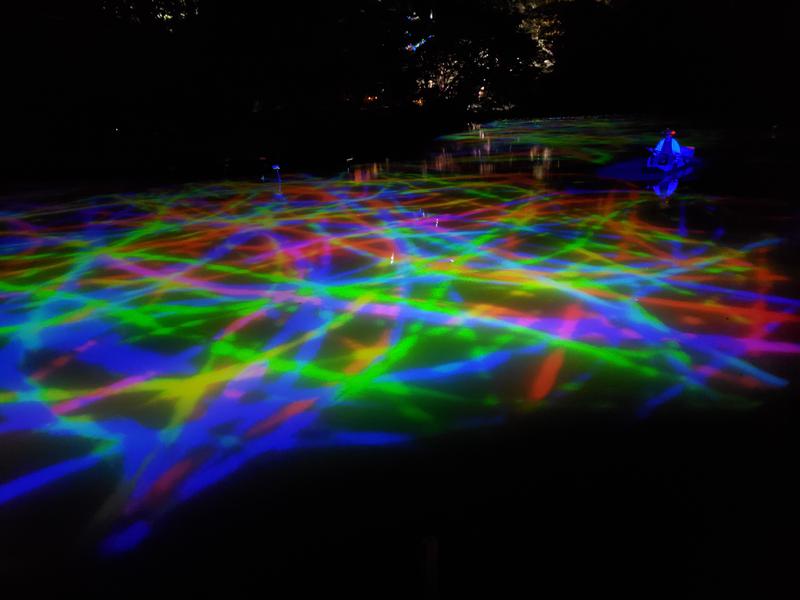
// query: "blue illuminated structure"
[[668, 155]]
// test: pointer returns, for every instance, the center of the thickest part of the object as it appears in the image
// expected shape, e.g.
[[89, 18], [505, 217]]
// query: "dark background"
[[557, 506], [94, 88]]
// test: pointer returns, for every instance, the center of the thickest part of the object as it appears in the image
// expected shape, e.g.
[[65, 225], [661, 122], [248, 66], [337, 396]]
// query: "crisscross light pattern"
[[173, 336]]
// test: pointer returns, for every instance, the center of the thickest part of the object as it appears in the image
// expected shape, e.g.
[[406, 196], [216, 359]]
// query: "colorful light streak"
[[183, 333]]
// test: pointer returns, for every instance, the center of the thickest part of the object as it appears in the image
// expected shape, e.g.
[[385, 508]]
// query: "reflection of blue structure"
[[669, 183], [666, 187], [668, 155]]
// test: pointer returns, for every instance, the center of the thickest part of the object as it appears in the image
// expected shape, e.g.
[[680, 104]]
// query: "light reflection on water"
[[181, 333]]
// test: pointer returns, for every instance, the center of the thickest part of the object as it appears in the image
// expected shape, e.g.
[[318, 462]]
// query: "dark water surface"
[[520, 365]]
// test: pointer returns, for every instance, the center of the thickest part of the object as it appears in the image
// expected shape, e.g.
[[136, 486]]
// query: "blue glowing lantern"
[[668, 155]]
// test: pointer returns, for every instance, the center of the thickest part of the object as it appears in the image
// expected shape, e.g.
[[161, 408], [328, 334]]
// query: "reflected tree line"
[[138, 85]]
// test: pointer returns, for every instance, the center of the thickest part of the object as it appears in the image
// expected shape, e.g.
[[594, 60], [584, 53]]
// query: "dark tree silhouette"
[[155, 85]]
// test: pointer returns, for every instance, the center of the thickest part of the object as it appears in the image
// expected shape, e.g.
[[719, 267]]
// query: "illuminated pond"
[[171, 336]]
